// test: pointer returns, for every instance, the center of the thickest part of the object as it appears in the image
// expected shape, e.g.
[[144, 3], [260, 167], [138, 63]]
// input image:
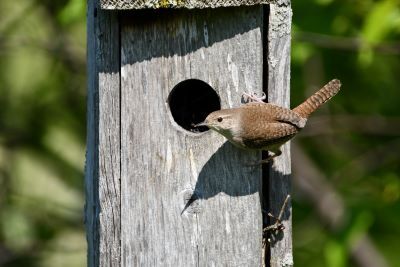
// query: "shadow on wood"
[[168, 33], [215, 178]]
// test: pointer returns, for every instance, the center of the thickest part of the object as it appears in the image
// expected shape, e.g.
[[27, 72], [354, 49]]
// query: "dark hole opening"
[[190, 102]]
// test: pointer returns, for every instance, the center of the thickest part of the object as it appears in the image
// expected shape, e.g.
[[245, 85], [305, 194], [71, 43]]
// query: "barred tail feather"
[[317, 99]]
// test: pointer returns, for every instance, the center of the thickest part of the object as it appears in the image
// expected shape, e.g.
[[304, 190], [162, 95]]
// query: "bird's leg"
[[266, 160], [253, 97], [271, 157]]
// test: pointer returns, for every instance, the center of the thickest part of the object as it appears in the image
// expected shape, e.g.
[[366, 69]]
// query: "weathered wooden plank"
[[156, 4], [278, 55], [102, 181], [162, 164]]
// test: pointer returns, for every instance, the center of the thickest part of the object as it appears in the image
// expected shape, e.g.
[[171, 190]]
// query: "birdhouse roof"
[[189, 4]]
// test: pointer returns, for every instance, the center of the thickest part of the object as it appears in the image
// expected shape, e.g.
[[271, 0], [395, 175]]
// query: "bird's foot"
[[253, 97]]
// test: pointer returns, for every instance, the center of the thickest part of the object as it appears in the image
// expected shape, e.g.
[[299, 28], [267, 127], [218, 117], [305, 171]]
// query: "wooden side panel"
[[164, 165], [278, 56], [102, 181]]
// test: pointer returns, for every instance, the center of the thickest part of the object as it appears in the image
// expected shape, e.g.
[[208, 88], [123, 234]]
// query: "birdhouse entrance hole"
[[190, 101]]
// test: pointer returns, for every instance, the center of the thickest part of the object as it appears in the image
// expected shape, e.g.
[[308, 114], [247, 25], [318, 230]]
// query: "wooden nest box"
[[159, 191]]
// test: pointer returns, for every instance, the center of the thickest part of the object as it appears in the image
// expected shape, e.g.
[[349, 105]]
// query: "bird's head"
[[225, 122]]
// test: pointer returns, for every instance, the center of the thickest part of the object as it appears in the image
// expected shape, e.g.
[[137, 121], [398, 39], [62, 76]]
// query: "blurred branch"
[[376, 125], [345, 43], [369, 160], [310, 181], [365, 254], [329, 206], [50, 206]]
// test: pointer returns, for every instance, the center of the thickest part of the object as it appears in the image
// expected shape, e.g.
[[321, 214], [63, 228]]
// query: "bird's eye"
[[219, 119]]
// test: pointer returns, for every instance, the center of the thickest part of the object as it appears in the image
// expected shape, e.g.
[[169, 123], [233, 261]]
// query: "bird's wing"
[[269, 134], [273, 113]]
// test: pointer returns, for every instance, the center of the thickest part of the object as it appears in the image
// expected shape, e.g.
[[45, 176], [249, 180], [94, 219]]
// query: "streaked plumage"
[[265, 126]]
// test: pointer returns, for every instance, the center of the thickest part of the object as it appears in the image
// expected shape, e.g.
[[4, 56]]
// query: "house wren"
[[265, 126]]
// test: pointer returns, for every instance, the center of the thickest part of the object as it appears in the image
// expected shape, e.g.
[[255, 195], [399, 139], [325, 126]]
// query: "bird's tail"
[[317, 99]]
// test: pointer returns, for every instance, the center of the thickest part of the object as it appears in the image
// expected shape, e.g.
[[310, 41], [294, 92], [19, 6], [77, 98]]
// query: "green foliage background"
[[42, 128]]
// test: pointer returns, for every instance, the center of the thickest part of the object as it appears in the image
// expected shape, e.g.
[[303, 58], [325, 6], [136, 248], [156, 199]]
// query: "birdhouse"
[[161, 191]]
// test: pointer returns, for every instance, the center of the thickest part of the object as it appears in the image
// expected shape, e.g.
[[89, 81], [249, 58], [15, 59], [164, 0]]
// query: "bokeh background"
[[346, 164]]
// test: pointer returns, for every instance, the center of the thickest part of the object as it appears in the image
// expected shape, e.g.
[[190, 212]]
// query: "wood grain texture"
[[278, 55], [102, 179], [162, 165], [157, 4]]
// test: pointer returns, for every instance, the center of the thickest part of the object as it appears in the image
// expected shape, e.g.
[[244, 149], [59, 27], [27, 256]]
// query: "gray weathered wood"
[[144, 4], [102, 180], [162, 164], [279, 92]]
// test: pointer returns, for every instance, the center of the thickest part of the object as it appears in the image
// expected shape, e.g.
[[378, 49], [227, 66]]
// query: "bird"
[[265, 126]]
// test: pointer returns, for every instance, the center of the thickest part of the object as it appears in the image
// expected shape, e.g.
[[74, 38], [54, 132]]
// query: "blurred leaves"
[[382, 20], [356, 148], [338, 247], [72, 12], [42, 133], [335, 254]]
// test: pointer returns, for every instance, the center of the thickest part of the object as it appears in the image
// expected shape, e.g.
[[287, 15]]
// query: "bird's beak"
[[201, 124]]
